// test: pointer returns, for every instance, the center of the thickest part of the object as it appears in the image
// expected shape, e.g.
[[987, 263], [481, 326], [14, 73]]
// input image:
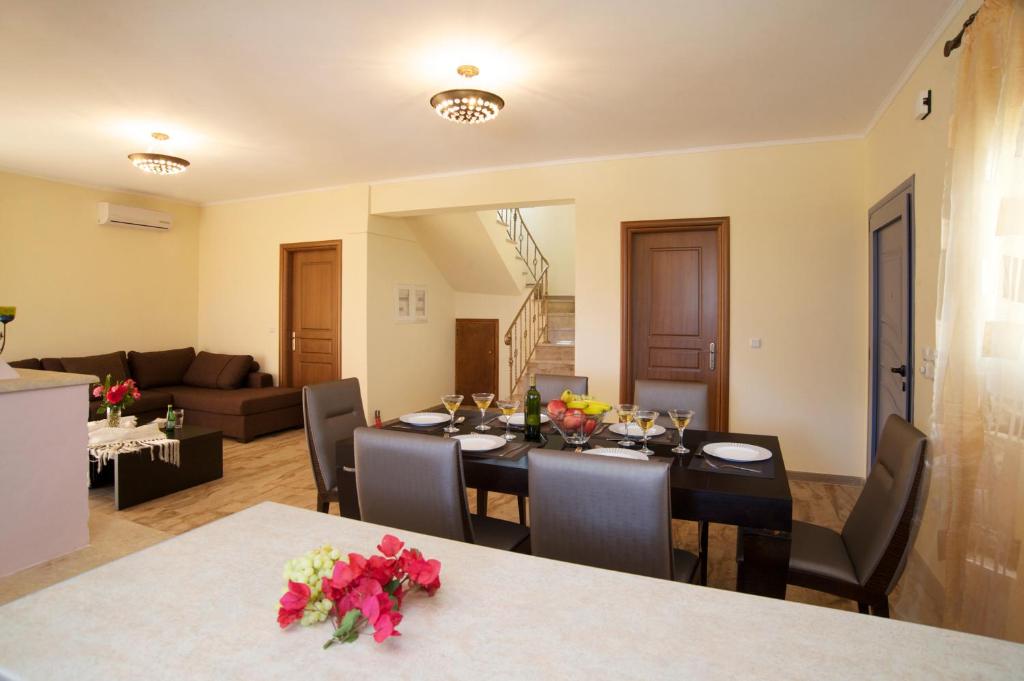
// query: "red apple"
[[589, 426], [573, 419], [556, 408]]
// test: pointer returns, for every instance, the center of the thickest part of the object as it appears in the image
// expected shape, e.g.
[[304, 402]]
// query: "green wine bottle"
[[170, 418], [532, 430]]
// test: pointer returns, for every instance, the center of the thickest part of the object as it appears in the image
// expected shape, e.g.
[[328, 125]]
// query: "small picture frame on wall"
[[410, 303]]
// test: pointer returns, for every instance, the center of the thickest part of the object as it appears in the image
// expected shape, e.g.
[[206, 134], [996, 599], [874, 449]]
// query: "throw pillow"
[[114, 363], [164, 367], [211, 370]]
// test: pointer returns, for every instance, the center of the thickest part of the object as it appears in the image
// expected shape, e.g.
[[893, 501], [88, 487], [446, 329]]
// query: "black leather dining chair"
[[605, 512], [416, 483], [662, 396], [551, 386], [865, 560], [331, 412]]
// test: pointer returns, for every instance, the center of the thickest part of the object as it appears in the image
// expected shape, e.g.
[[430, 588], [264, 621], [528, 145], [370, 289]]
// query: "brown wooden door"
[[675, 297], [311, 313], [476, 356]]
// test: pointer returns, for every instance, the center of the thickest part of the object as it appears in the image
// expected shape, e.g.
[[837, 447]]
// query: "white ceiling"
[[283, 95]]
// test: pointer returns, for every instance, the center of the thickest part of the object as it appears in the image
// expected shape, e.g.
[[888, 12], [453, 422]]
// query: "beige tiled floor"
[[276, 468]]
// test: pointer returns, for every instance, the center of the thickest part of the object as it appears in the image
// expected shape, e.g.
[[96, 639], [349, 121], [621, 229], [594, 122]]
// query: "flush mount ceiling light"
[[467, 105], [158, 164]]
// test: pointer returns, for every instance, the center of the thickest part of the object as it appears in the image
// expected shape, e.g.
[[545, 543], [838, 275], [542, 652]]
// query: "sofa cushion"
[[51, 364], [164, 367], [113, 363], [241, 402], [151, 401], [32, 363], [210, 370]]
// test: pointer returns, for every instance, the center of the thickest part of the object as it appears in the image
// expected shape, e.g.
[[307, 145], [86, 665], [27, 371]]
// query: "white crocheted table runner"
[[105, 443]]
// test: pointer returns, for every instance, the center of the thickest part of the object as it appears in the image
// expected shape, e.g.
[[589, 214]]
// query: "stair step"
[[561, 335], [567, 306], [555, 352], [561, 320]]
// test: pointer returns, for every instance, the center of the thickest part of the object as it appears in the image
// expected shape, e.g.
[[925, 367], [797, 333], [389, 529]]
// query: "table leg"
[[481, 502], [763, 562]]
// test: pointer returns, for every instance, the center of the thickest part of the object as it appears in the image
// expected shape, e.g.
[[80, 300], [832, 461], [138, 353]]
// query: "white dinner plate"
[[479, 442], [519, 419], [616, 451], [735, 451], [424, 418], [636, 431]]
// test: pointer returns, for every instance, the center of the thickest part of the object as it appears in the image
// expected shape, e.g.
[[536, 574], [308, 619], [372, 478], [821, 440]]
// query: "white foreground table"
[[203, 606]]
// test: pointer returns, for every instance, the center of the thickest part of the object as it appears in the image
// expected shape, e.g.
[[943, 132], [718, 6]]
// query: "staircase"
[[556, 355], [542, 335]]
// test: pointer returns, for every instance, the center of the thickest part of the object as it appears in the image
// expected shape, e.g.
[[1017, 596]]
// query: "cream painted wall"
[[900, 146], [798, 263], [466, 251], [410, 364], [554, 229], [82, 288], [239, 264]]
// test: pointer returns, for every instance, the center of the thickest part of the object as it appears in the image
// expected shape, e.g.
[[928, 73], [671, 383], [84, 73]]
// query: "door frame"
[[905, 188], [720, 225], [284, 368], [496, 323]]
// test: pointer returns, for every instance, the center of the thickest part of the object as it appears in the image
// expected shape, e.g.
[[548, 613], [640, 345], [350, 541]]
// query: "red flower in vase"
[[116, 393]]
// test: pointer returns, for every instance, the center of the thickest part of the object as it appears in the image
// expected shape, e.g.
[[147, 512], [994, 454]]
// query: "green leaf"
[[392, 586], [348, 621]]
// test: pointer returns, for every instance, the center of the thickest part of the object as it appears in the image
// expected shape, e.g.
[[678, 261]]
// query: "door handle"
[[711, 362], [293, 341], [901, 370]]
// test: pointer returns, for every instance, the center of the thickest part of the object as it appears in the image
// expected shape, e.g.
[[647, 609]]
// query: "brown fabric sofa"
[[226, 392]]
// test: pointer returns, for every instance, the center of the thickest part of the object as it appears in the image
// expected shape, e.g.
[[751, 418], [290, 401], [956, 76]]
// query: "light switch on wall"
[[755, 343]]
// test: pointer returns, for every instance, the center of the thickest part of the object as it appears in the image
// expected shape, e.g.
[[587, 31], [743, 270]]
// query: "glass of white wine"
[[483, 400], [451, 403], [680, 419], [508, 408], [627, 412], [645, 418]]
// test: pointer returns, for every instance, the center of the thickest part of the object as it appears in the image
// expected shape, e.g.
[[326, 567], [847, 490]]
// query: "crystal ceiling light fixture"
[[467, 105], [158, 164]]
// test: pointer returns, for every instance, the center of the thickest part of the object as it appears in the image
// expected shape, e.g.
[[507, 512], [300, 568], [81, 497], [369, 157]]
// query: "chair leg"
[[521, 501], [862, 607], [481, 502], [323, 505], [881, 608], [702, 551]]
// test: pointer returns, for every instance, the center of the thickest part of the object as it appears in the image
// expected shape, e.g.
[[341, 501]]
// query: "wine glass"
[[508, 408], [627, 412], [680, 419], [645, 419], [483, 400], [451, 403]]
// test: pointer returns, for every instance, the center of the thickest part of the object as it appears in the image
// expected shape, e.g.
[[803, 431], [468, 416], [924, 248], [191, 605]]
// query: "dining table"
[[761, 507]]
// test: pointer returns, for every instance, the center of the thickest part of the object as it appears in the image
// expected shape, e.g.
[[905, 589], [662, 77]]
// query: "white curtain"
[[965, 572]]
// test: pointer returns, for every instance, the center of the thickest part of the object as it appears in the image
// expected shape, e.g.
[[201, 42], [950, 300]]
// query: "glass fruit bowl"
[[576, 426]]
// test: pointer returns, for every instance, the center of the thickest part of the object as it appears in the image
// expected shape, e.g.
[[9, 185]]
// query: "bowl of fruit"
[[577, 417]]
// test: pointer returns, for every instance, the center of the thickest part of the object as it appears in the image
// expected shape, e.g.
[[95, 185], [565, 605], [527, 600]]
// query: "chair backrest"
[[412, 482], [551, 386], [665, 395], [601, 511], [877, 533], [331, 412]]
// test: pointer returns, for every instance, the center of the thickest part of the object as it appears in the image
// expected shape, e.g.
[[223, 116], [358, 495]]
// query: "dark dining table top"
[[764, 503]]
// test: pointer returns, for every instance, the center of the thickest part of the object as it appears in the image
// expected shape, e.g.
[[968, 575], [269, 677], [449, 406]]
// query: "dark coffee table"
[[138, 477]]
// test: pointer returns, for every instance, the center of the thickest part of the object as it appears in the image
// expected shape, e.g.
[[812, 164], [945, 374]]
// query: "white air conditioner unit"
[[113, 214]]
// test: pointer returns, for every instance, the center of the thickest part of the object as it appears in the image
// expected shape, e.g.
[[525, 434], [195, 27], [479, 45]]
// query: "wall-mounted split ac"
[[128, 216]]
